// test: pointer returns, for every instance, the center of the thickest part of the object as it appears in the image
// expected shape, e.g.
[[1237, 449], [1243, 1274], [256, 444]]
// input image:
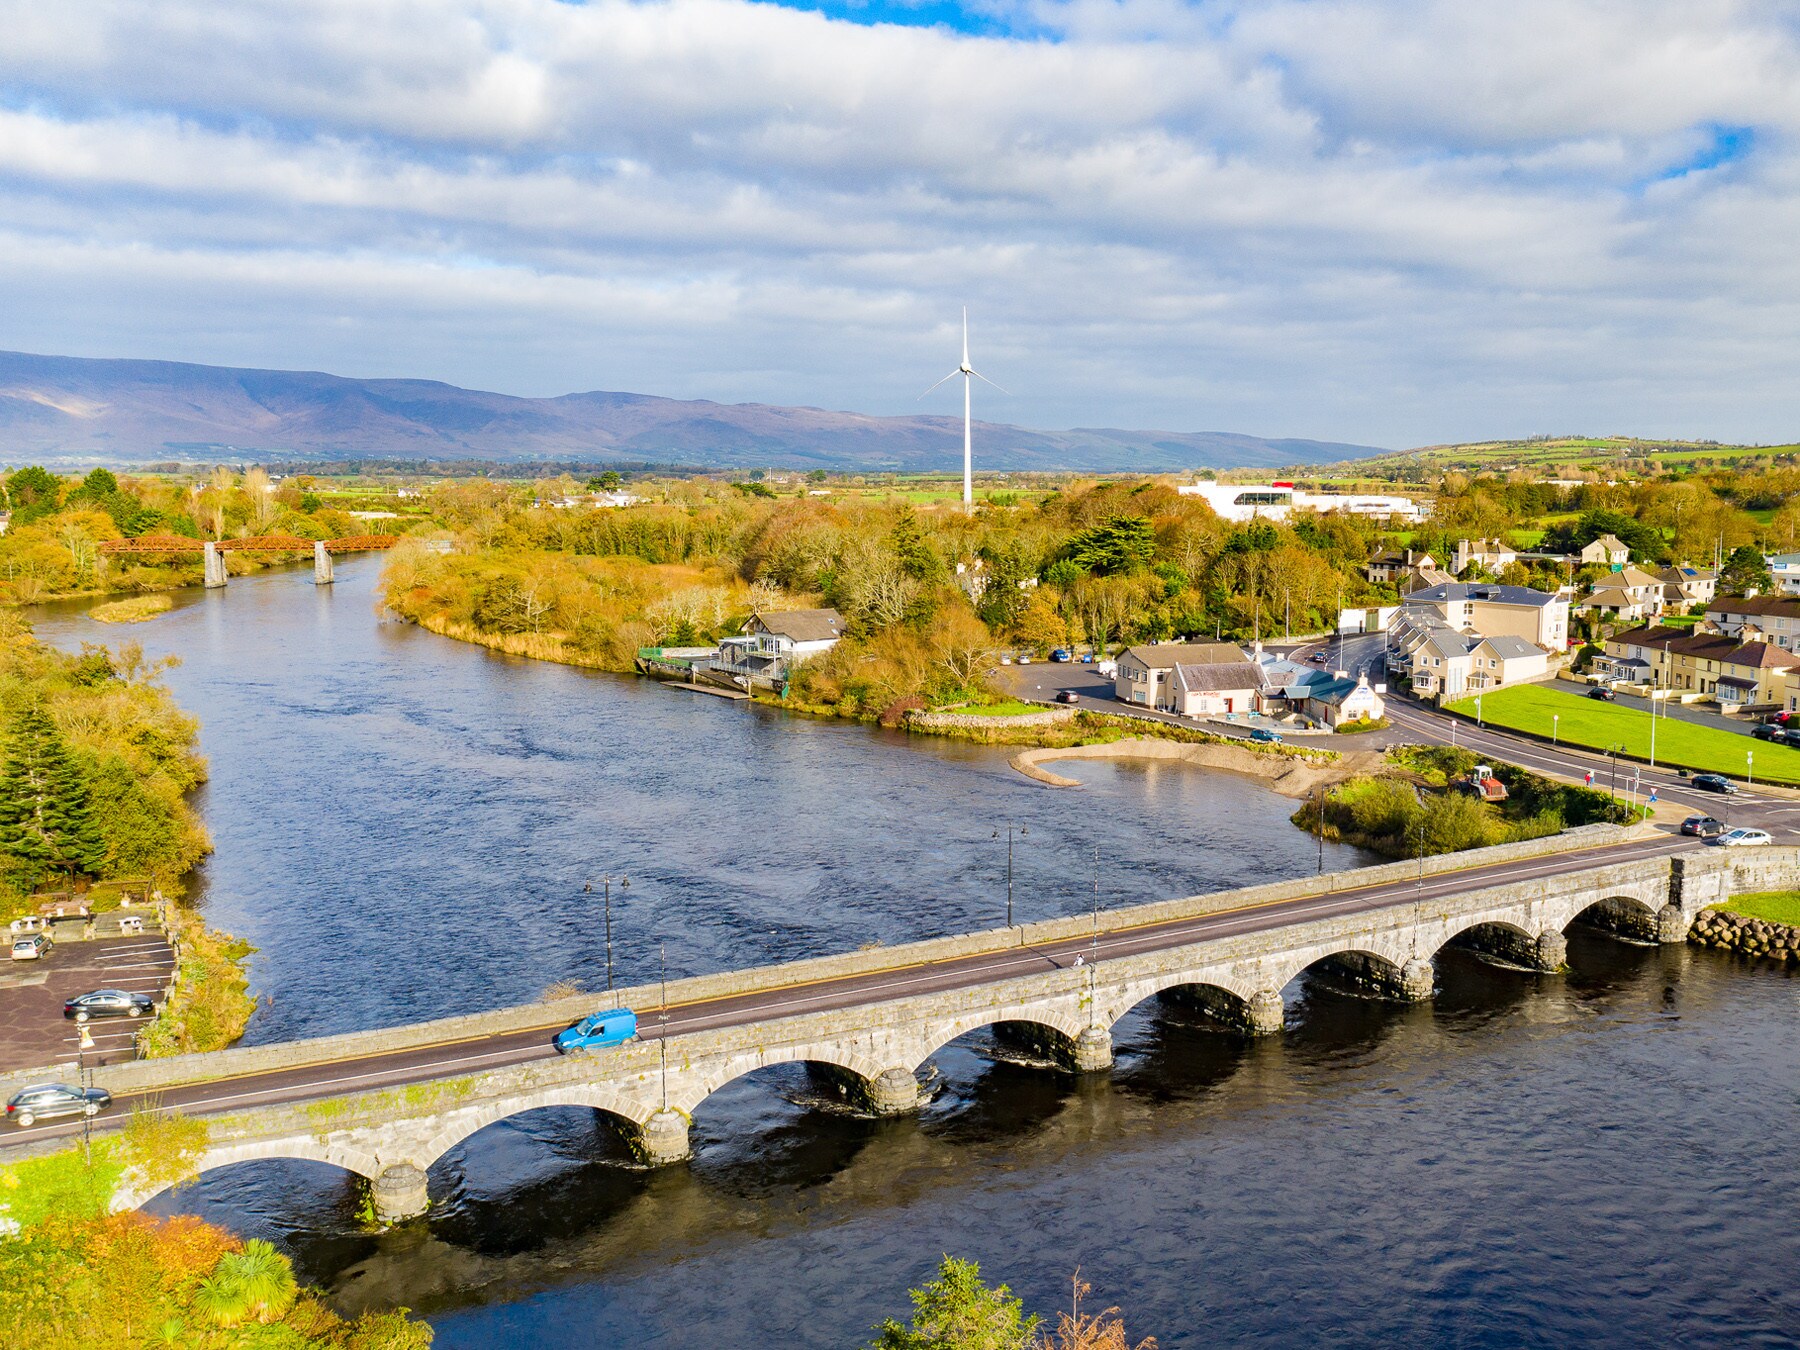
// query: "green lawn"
[[1770, 906], [1679, 620], [1010, 708], [1597, 725]]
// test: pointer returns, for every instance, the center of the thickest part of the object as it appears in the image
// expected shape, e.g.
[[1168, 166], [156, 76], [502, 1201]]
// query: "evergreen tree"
[[957, 1311], [46, 810]]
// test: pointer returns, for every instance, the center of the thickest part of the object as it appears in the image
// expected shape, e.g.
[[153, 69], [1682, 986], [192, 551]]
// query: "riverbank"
[[1297, 773], [1740, 926]]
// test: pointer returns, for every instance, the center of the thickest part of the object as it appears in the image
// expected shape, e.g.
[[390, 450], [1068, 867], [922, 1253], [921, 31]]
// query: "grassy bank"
[[1770, 906], [135, 610], [1595, 725], [212, 1003]]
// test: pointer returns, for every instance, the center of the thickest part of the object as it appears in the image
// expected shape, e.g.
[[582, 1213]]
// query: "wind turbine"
[[970, 375]]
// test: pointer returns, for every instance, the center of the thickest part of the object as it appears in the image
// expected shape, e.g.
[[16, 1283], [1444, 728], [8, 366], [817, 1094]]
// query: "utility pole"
[[1319, 794], [662, 1022], [1023, 831], [1096, 947]]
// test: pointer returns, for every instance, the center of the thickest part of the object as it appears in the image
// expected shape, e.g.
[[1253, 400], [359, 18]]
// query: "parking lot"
[[33, 1032]]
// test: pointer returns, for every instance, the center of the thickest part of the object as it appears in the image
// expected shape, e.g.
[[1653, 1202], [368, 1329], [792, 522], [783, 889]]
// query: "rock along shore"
[[1748, 936]]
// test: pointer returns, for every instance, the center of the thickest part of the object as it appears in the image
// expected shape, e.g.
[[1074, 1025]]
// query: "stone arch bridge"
[[868, 1022]]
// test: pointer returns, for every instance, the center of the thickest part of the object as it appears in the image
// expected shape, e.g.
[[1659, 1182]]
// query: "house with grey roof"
[[1145, 675], [772, 644]]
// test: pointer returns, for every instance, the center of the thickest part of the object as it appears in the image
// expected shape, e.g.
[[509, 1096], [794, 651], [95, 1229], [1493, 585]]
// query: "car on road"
[[108, 1003], [1769, 731], [599, 1030], [1713, 782], [1741, 838], [1705, 827], [1781, 719], [1318, 658], [1062, 654], [1265, 735], [1068, 696], [33, 948], [1024, 660], [48, 1101], [1602, 693], [1087, 659]]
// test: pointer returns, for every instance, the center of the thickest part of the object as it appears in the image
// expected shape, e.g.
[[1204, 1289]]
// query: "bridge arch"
[[1621, 913], [858, 1071], [461, 1124], [1057, 1031], [133, 1192], [1223, 998]]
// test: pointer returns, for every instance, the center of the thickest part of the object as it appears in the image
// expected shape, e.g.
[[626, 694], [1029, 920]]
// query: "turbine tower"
[[970, 375]]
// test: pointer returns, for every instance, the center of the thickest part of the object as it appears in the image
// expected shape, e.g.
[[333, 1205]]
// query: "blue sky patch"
[[1727, 146], [976, 20]]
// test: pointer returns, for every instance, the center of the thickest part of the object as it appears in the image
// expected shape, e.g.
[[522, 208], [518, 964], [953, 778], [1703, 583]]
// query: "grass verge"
[[1597, 726]]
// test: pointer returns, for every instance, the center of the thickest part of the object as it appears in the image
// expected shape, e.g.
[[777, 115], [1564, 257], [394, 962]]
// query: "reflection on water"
[[1598, 1158]]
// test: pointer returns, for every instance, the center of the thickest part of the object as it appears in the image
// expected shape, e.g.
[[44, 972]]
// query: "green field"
[[1596, 725], [1770, 906]]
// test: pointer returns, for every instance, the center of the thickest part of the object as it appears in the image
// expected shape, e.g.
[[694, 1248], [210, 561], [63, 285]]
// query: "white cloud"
[[1385, 220]]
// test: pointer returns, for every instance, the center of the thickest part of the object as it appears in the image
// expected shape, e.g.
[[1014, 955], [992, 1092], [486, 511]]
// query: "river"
[[406, 826]]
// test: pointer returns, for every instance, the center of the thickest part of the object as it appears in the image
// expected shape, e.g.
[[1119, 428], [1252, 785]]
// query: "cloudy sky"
[[1388, 221]]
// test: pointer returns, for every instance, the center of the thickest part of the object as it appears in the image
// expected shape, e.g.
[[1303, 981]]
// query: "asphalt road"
[[372, 1072]]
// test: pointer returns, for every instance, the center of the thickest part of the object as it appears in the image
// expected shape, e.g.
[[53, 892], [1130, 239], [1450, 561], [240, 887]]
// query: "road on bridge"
[[421, 1064]]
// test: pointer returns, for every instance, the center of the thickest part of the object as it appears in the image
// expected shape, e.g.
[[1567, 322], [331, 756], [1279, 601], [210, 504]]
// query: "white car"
[[1738, 838]]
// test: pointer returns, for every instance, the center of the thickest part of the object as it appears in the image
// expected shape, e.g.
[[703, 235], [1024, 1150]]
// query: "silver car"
[[33, 948], [48, 1101]]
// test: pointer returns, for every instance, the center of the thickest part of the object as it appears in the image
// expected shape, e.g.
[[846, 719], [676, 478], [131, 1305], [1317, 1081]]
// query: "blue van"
[[599, 1030]]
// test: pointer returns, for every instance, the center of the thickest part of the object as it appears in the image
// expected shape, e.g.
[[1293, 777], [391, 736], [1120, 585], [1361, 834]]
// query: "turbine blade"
[[965, 335], [946, 380], [985, 380]]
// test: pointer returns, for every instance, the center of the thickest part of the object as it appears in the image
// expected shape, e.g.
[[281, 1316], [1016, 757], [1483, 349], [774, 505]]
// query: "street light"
[[1554, 719], [82, 1046], [1023, 831], [606, 904], [1750, 767]]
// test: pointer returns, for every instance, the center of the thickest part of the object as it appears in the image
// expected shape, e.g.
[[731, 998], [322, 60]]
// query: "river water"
[[405, 827]]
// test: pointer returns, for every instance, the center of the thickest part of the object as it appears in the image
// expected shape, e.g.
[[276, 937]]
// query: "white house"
[[773, 643], [1188, 678]]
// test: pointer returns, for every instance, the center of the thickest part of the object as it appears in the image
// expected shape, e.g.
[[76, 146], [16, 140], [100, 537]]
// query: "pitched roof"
[[1335, 691], [1785, 606], [1507, 647], [1633, 575], [1611, 543], [803, 625], [1492, 593], [1214, 676], [1168, 655], [1718, 647], [1610, 597]]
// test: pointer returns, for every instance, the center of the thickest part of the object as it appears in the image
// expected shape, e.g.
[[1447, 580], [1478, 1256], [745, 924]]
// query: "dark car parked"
[[1068, 696], [1706, 827], [48, 1101], [108, 1003], [1769, 731], [1713, 782], [1601, 692]]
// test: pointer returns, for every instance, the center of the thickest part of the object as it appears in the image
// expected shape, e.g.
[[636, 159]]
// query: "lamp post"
[[1023, 831], [606, 907], [662, 1023], [1319, 794], [1478, 721], [1554, 719], [1750, 767], [84, 1044]]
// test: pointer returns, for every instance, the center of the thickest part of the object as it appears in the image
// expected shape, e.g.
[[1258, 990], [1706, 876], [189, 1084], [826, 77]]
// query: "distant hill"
[[72, 408]]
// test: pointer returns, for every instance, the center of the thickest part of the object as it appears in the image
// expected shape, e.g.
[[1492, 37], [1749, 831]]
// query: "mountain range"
[[76, 409]]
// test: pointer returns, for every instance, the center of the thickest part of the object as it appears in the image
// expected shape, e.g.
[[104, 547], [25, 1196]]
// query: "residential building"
[[1495, 610], [1146, 675], [1629, 593], [1785, 569], [772, 644], [1735, 669], [1607, 551], [1490, 554], [1423, 578], [1448, 664], [1775, 617], [1391, 564], [1685, 586]]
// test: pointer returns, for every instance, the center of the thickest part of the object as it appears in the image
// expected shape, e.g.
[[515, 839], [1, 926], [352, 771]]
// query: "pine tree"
[[46, 810]]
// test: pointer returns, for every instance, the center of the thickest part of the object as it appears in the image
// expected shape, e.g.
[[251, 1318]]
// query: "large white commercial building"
[[1277, 501]]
